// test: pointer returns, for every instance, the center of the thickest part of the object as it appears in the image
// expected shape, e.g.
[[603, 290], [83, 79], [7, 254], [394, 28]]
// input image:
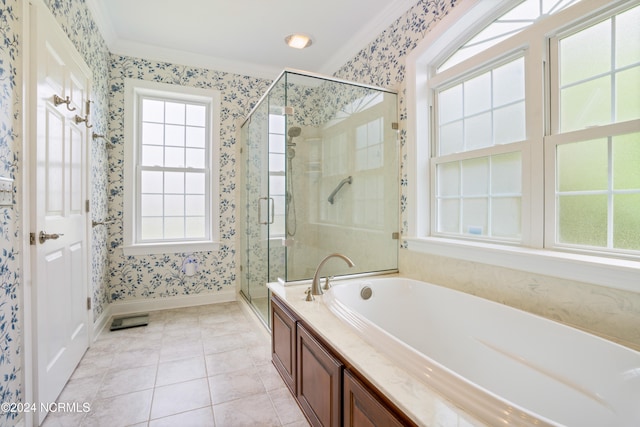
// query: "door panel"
[[75, 170], [59, 262]]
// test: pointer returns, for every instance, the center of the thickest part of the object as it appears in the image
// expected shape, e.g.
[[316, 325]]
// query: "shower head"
[[292, 133]]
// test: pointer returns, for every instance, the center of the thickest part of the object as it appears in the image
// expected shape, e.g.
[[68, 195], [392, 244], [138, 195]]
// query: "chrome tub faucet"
[[316, 289]]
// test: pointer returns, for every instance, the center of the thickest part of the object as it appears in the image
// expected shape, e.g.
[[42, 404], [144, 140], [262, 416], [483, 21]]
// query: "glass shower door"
[[259, 211]]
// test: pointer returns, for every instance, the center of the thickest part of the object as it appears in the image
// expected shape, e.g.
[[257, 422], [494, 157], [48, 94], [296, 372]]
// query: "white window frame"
[[522, 147], [462, 22], [134, 89]]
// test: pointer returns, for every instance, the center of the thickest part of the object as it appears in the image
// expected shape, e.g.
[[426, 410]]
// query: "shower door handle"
[[271, 208]]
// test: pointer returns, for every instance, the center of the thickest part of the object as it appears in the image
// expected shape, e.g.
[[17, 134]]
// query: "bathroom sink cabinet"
[[330, 392]]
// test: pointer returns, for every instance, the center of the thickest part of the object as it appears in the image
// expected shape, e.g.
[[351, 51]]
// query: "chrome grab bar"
[[272, 208], [347, 180]]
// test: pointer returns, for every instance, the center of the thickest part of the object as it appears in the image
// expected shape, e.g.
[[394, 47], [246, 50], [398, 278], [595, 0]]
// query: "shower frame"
[[268, 250]]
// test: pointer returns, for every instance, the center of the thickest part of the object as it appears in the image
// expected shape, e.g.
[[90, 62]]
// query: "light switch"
[[6, 192]]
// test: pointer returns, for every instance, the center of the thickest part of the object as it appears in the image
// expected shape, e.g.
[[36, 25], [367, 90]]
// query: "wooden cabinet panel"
[[328, 393], [319, 381], [283, 344], [362, 408]]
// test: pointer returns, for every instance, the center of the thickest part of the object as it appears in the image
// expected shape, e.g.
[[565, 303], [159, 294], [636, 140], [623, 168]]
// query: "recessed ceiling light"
[[298, 41]]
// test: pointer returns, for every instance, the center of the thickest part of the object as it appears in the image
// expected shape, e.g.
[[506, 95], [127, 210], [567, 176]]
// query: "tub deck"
[[503, 364]]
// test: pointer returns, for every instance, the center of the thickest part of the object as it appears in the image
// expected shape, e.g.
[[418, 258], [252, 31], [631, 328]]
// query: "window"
[[527, 138], [478, 184], [277, 186], [596, 85], [353, 154], [171, 165]]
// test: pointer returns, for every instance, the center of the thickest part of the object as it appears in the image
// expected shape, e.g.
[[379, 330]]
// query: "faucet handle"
[[309, 295], [327, 283]]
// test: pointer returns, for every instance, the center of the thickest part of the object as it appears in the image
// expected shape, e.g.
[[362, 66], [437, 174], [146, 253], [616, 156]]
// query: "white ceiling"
[[244, 36]]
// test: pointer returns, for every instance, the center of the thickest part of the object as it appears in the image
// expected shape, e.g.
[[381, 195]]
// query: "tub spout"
[[316, 289]]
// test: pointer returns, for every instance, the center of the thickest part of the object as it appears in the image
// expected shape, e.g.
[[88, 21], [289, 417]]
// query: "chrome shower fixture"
[[293, 132]]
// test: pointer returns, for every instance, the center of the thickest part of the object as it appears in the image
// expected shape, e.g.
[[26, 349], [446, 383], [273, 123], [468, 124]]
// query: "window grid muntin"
[[610, 192], [278, 152], [140, 168], [462, 53], [494, 149], [489, 68], [490, 195], [552, 26], [610, 130], [614, 70]]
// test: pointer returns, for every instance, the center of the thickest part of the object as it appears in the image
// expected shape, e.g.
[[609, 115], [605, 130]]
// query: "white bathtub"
[[505, 366]]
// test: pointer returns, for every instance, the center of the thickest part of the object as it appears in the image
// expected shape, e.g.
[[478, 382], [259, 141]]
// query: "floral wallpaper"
[[160, 276], [11, 372]]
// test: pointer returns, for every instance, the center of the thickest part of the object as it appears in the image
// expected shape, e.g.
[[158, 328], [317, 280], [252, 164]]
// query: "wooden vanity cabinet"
[[319, 381], [362, 408], [327, 389], [283, 343]]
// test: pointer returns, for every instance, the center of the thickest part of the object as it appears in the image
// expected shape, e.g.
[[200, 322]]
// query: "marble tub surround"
[[609, 313], [421, 404]]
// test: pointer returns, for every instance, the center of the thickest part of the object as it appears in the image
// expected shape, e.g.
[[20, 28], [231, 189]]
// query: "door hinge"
[[394, 126], [289, 111], [87, 206], [88, 303], [395, 235], [32, 239]]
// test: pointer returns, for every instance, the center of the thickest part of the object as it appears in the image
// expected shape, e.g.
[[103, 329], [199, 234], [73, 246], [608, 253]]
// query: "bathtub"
[[503, 365]]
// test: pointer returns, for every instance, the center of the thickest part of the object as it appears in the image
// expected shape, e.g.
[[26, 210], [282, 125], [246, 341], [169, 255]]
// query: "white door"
[[59, 191]]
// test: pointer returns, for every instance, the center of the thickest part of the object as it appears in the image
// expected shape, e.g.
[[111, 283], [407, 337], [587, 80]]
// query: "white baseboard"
[[123, 308], [101, 322]]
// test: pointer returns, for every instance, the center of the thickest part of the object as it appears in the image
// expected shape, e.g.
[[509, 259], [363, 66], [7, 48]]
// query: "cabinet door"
[[362, 408], [283, 344], [319, 378]]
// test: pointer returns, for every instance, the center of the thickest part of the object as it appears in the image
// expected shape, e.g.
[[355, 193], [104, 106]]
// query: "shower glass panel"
[[256, 186], [321, 176]]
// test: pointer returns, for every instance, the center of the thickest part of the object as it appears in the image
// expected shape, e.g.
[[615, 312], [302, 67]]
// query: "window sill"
[[603, 271], [170, 248]]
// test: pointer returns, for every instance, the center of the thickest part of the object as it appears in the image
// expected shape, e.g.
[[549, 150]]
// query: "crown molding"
[[116, 46], [173, 56], [104, 24], [367, 34]]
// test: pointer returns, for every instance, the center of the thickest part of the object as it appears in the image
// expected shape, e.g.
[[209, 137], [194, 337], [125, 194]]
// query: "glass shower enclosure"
[[320, 175]]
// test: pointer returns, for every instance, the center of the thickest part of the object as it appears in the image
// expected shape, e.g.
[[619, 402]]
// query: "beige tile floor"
[[197, 366]]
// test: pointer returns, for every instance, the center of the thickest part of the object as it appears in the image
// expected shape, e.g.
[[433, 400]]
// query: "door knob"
[[43, 237]]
